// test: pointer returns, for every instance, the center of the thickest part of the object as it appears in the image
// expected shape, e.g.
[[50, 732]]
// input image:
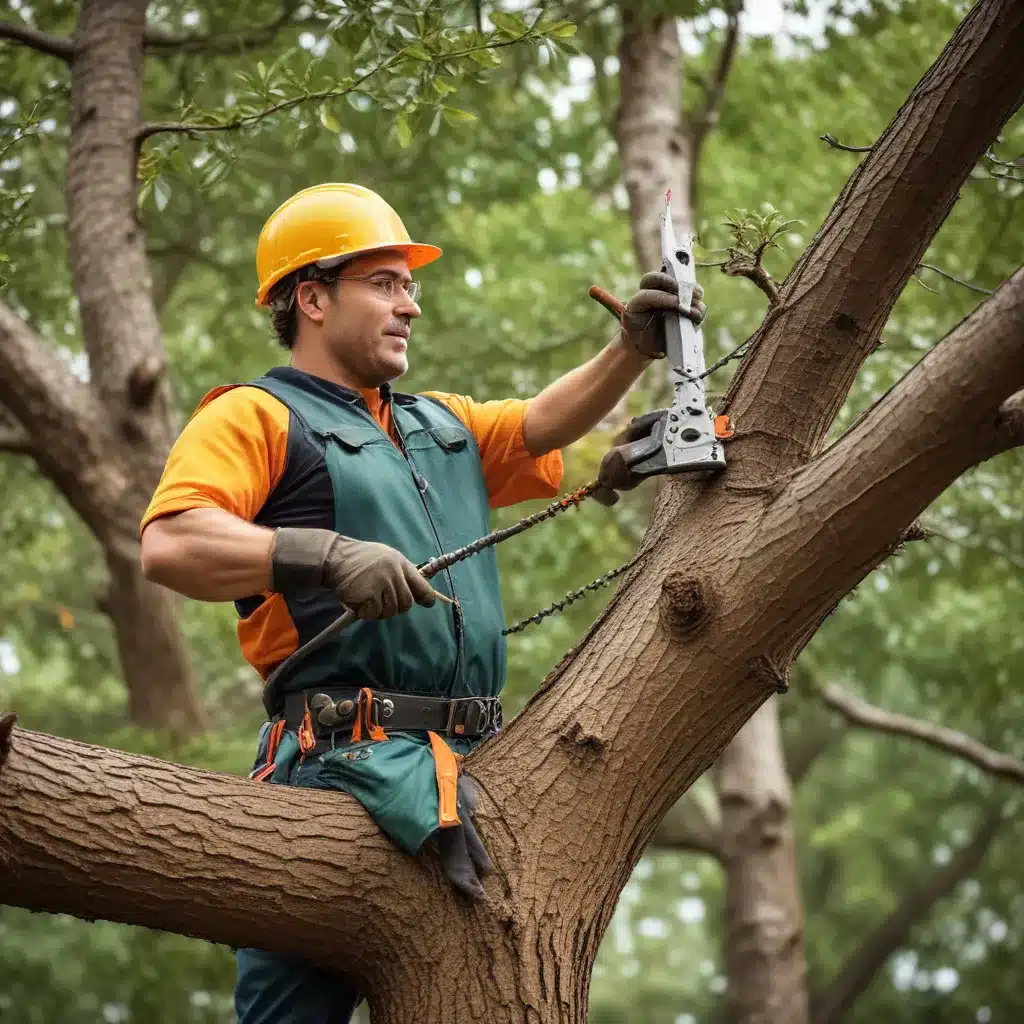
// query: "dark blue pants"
[[276, 989]]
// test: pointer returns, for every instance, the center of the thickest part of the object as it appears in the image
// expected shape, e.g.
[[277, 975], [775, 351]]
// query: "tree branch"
[[689, 828], [836, 144], [706, 118], [45, 42], [805, 357], [865, 716], [956, 280], [66, 426], [756, 273], [169, 44], [233, 842], [14, 438], [855, 501], [831, 1005]]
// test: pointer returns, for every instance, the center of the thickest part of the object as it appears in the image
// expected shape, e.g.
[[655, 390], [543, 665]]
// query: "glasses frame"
[[413, 289]]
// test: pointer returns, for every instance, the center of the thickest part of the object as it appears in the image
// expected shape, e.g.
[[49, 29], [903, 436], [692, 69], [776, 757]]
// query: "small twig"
[[708, 115], [169, 44], [756, 273], [956, 280], [988, 547], [836, 144], [191, 128]]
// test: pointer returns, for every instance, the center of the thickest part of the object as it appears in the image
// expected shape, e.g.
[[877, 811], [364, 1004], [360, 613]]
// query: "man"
[[316, 488]]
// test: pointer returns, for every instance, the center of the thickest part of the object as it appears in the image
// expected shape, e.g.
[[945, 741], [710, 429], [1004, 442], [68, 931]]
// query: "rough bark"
[[764, 919], [680, 659], [103, 443], [831, 1005], [865, 716]]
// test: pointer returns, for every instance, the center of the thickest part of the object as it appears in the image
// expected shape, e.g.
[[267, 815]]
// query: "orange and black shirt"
[[243, 452]]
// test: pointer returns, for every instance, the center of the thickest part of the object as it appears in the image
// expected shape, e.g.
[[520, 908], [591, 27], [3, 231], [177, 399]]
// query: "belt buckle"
[[474, 722]]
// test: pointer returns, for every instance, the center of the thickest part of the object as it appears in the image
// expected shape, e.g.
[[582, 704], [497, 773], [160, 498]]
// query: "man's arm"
[[575, 403], [207, 554]]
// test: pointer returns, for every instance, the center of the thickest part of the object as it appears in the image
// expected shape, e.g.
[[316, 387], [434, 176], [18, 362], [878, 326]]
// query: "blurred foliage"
[[528, 208]]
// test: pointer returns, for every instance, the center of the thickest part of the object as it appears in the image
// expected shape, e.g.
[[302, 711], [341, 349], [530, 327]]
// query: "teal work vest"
[[425, 497]]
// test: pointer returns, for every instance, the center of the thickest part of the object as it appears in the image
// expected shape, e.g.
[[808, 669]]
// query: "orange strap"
[[364, 712], [723, 428], [446, 767], [276, 732], [307, 741]]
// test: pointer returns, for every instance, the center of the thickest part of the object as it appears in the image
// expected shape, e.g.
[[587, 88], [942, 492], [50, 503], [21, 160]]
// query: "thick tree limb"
[[829, 1006], [45, 42], [689, 828], [838, 297], [177, 840], [947, 414], [864, 715], [66, 425]]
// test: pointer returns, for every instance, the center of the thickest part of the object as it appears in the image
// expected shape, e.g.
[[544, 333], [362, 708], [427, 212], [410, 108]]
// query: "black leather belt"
[[333, 709]]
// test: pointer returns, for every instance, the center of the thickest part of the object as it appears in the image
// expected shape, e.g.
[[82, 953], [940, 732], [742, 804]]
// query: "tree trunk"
[[764, 919], [104, 444]]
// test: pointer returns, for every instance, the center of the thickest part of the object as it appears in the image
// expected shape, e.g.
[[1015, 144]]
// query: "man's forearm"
[[207, 554], [575, 403]]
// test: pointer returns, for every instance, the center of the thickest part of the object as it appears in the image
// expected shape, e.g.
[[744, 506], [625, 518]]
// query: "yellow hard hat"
[[326, 224]]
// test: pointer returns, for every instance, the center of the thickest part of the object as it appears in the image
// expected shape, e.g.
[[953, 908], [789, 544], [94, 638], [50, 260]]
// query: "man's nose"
[[404, 306]]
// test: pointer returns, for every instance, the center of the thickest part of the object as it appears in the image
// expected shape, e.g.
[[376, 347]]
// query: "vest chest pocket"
[[447, 457]]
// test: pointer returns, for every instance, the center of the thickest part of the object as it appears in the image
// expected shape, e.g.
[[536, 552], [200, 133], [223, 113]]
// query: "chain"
[[573, 595]]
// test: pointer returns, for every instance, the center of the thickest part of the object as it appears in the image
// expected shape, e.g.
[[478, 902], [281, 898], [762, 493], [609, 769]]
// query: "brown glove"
[[374, 580], [642, 319], [614, 475]]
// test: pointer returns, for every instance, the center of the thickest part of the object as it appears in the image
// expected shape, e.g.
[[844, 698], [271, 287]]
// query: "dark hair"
[[284, 310]]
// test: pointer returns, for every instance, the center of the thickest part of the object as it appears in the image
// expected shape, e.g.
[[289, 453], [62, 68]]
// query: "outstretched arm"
[[575, 403]]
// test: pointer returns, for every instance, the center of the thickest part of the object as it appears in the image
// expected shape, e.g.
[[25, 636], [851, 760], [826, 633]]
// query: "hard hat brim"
[[417, 254]]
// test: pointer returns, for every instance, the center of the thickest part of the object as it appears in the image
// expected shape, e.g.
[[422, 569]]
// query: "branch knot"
[[685, 605]]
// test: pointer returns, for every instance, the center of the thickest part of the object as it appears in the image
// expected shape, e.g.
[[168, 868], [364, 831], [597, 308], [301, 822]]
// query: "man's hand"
[[463, 857], [614, 474], [643, 316], [374, 580]]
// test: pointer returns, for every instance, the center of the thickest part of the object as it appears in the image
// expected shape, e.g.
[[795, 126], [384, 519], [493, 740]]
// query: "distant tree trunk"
[[763, 952], [764, 917], [104, 443]]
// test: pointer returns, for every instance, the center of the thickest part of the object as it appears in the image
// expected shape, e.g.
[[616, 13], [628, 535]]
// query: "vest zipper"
[[421, 490]]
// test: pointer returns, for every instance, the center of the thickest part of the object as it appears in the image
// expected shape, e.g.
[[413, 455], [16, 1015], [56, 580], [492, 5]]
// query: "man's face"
[[363, 329]]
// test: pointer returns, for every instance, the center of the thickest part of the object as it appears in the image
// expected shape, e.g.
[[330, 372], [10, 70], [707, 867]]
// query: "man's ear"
[[309, 297]]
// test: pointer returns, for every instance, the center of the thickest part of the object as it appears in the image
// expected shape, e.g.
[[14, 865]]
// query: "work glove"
[[614, 474], [464, 859], [374, 580], [642, 317]]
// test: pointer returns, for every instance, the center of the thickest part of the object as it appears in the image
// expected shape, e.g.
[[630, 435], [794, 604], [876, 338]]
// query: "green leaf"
[[485, 58], [261, 70], [510, 24], [561, 30], [443, 86], [328, 120], [418, 51], [456, 117], [161, 193], [403, 131]]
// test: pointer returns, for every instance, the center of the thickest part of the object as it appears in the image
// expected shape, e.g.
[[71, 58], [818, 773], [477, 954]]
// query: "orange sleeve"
[[230, 455], [511, 472]]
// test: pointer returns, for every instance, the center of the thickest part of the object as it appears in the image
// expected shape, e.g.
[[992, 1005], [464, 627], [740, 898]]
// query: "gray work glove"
[[642, 319], [374, 580], [464, 859]]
